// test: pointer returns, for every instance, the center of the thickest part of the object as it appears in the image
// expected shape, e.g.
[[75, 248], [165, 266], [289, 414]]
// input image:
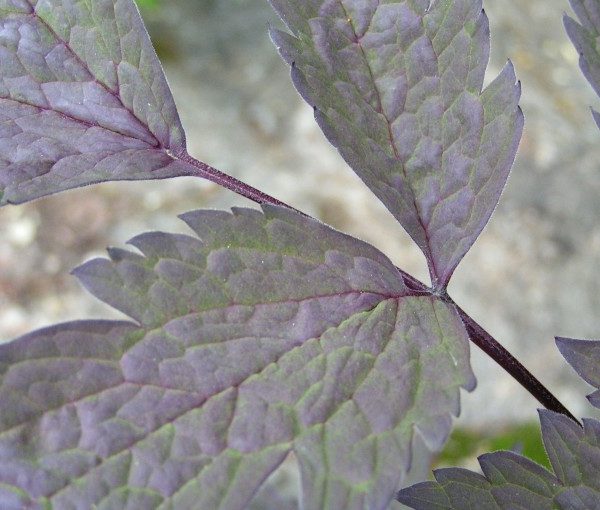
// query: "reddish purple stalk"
[[479, 336]]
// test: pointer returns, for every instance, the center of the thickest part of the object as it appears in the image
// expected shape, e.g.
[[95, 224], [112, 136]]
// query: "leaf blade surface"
[[397, 90], [247, 345], [83, 99]]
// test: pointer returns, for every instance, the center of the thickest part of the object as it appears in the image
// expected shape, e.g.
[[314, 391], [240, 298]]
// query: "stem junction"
[[479, 336]]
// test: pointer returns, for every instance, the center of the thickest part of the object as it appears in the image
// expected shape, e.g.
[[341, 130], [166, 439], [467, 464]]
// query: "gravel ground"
[[529, 277]]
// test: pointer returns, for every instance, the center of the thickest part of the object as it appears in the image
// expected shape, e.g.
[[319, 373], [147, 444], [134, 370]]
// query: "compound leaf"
[[585, 39], [397, 88], [83, 99], [270, 333], [511, 481]]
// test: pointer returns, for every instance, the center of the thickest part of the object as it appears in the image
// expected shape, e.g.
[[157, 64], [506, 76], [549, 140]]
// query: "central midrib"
[[428, 250]]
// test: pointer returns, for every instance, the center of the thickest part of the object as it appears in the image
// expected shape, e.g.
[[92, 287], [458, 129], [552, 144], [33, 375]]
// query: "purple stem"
[[488, 344], [231, 183], [495, 350], [479, 336]]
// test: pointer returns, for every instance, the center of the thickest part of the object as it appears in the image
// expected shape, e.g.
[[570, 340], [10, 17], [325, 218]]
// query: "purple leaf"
[[270, 334], [585, 38], [584, 357], [396, 88], [511, 481], [83, 99], [574, 452]]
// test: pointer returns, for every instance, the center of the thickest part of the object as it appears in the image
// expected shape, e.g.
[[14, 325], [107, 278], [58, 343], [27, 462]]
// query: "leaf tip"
[[510, 75], [553, 419], [568, 346], [570, 25], [83, 271], [117, 254]]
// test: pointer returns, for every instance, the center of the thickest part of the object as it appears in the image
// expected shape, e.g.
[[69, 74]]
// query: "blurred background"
[[531, 275]]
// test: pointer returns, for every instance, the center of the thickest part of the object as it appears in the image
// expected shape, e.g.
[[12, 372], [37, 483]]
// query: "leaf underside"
[[510, 481], [273, 333], [83, 99], [585, 39], [396, 87]]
